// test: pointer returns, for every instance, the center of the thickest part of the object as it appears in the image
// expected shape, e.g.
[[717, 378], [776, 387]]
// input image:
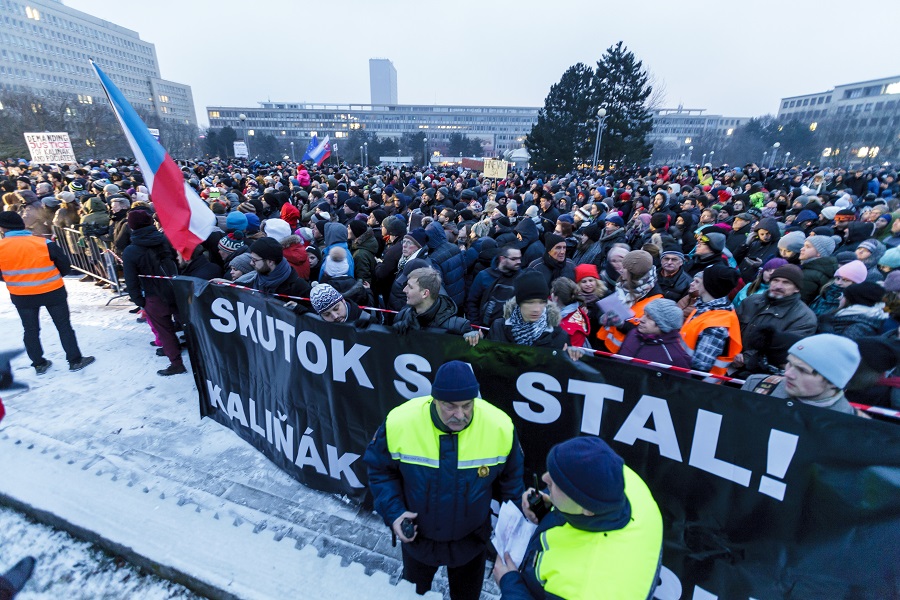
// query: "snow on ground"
[[69, 568], [97, 445]]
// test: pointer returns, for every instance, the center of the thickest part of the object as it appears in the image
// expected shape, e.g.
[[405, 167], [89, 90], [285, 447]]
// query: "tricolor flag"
[[317, 151], [187, 221]]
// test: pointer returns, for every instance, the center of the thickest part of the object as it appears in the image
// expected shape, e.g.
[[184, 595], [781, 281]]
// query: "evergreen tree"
[[560, 138], [621, 86]]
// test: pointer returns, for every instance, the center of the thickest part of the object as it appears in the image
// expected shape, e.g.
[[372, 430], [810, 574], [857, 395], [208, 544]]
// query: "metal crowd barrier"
[[91, 256]]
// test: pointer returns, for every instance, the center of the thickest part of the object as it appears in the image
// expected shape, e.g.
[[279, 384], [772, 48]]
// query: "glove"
[[610, 319]]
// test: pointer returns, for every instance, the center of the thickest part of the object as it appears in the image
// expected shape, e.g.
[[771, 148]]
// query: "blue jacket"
[[447, 259], [453, 503]]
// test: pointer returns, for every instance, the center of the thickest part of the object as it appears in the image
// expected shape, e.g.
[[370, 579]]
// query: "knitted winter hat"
[[277, 229], [236, 221], [666, 314], [394, 226], [835, 357], [637, 263], [659, 220], [454, 382], [323, 296], [716, 241], [531, 285], [870, 245], [589, 472], [417, 237], [615, 220], [866, 293], [139, 218], [792, 241], [719, 280], [854, 270], [774, 263], [252, 224], [242, 263], [592, 231], [12, 220], [891, 259], [551, 239], [824, 245], [829, 212], [586, 270], [357, 227], [892, 282], [268, 249], [792, 273], [228, 243]]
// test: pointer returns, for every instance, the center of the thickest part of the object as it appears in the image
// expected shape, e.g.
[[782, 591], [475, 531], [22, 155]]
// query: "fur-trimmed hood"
[[553, 315]]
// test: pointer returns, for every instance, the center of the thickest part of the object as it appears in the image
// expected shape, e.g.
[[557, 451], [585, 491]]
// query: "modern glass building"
[[45, 47]]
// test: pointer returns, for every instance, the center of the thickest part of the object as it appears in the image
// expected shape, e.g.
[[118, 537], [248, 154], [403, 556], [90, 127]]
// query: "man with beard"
[[274, 275], [493, 287]]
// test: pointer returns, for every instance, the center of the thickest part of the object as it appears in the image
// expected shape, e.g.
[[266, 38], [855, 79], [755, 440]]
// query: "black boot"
[[172, 370], [12, 582]]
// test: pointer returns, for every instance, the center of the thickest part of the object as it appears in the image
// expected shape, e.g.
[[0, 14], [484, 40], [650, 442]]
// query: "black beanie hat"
[[659, 220], [531, 285], [268, 249], [358, 227], [593, 231], [718, 280], [866, 293], [138, 218], [551, 239], [11, 220]]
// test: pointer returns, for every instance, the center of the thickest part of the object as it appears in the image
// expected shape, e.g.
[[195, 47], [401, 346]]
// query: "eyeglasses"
[[702, 239]]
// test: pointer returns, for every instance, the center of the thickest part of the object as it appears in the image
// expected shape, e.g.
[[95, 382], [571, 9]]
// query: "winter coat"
[[479, 257], [386, 270], [699, 263], [95, 221], [553, 337], [441, 316], [676, 287], [552, 270], [577, 326], [365, 248], [336, 236], [761, 316], [119, 232], [350, 288], [531, 245], [201, 268], [607, 241], [857, 233], [295, 253], [292, 286], [488, 294], [149, 254], [829, 299], [667, 348], [854, 321], [816, 273], [447, 259], [750, 257]]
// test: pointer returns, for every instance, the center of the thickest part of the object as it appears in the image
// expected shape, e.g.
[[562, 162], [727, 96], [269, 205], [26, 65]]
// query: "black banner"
[[761, 497]]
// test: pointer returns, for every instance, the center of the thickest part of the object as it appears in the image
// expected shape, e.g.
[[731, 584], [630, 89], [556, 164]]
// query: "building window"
[[213, 114]]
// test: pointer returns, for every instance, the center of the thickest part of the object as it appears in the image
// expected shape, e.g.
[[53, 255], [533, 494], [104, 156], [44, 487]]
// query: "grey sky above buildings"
[[735, 59]]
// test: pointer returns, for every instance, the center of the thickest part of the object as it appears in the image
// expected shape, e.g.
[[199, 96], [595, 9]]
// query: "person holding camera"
[[434, 467]]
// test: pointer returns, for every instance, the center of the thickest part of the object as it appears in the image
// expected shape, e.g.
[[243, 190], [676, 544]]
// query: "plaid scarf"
[[525, 333]]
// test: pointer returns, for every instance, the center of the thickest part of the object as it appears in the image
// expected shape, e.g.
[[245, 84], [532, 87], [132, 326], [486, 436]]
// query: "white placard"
[[49, 147], [495, 169], [240, 150], [154, 132]]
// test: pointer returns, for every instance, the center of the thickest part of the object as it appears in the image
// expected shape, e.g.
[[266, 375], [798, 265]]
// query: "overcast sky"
[[731, 58]]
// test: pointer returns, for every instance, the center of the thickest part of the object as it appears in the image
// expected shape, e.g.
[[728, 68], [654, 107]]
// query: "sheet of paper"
[[512, 532], [612, 304]]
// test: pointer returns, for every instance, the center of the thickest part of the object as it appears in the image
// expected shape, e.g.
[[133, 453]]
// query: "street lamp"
[[601, 124], [243, 119], [293, 158], [366, 152], [703, 160], [690, 152], [425, 150], [787, 158], [361, 159], [765, 154], [775, 148], [711, 152]]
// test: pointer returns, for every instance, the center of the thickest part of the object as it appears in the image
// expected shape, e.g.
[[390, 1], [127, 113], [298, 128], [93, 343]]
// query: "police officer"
[[33, 268], [602, 538], [438, 461]]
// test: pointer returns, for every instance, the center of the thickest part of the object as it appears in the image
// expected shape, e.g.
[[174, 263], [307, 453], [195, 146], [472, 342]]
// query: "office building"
[[382, 81], [503, 128], [45, 47], [689, 132]]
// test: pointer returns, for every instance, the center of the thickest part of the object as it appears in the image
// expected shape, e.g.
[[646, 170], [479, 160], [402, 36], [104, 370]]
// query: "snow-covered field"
[[118, 451]]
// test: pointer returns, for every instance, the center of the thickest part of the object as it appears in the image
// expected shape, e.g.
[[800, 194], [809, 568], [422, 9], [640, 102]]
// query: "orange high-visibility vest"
[[612, 337], [693, 327], [26, 266]]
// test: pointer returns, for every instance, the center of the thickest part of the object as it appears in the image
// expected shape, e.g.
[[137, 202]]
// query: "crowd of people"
[[717, 269], [783, 278]]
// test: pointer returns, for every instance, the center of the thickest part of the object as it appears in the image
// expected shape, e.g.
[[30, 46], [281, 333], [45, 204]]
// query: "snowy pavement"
[[120, 456]]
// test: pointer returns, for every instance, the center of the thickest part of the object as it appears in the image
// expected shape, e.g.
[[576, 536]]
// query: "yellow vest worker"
[[32, 268], [602, 539], [438, 461]]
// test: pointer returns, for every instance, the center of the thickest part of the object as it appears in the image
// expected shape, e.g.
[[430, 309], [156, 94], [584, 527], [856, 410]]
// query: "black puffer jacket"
[[531, 245], [750, 257], [447, 259], [816, 273], [441, 316]]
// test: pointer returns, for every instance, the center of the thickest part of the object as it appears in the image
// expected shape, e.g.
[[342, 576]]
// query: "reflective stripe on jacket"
[[26, 266]]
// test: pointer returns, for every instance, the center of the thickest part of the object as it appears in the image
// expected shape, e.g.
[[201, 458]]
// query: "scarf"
[[641, 288], [270, 282], [525, 333]]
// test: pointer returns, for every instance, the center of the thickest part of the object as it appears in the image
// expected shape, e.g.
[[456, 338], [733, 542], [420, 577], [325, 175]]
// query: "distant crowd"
[[785, 278]]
